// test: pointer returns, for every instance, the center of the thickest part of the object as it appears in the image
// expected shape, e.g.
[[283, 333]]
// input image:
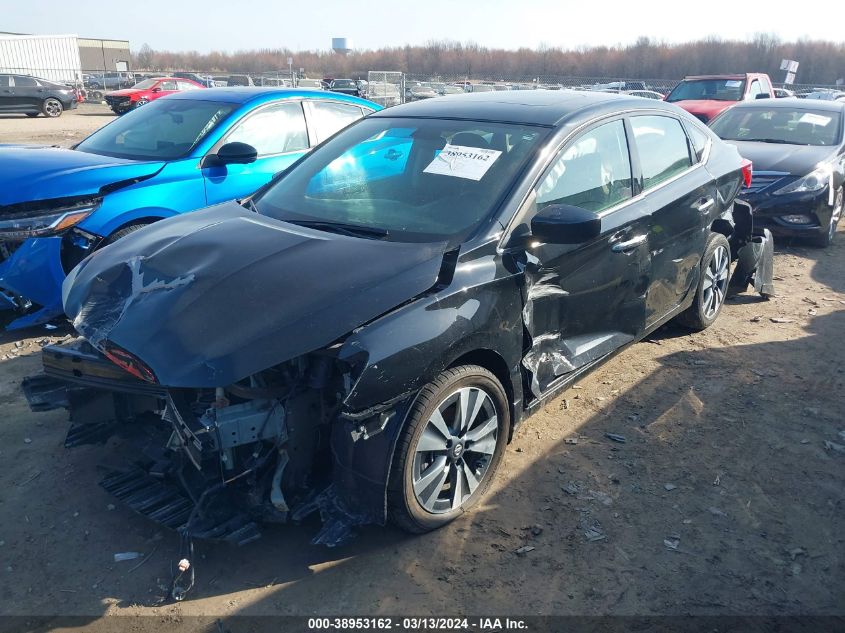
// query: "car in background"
[[176, 154], [416, 90], [122, 101], [826, 95], [239, 80], [706, 96], [447, 89], [32, 96], [110, 80], [203, 80], [362, 86], [362, 337], [782, 93], [646, 94], [314, 84], [797, 148], [344, 86]]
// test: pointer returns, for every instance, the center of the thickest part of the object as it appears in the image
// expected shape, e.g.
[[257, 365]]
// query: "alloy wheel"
[[715, 281], [52, 107], [453, 453]]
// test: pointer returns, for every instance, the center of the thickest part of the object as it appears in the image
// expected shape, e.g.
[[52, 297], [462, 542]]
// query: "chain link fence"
[[384, 87]]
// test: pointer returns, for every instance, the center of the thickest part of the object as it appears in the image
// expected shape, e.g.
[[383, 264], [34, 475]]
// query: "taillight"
[[746, 172], [129, 362]]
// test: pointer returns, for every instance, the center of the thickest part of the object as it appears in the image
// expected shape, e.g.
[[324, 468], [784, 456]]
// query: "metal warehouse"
[[61, 57]]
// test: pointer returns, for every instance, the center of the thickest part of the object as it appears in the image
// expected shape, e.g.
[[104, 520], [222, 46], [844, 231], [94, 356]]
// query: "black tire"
[[825, 238], [52, 108], [462, 461], [701, 315], [126, 230], [32, 115]]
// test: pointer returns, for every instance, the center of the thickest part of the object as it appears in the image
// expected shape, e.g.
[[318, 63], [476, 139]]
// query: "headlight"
[[45, 223], [814, 181]]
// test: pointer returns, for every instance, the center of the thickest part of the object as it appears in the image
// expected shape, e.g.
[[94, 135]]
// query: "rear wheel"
[[449, 450], [52, 108], [824, 239], [712, 285]]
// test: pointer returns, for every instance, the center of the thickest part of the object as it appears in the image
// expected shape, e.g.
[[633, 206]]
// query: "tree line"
[[821, 62]]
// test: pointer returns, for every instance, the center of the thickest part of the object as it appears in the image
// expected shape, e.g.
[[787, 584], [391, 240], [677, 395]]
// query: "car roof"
[[728, 76], [538, 107], [793, 103], [247, 94]]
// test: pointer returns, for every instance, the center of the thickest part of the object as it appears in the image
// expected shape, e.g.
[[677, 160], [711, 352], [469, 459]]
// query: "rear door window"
[[662, 148], [4, 81], [327, 117], [25, 82], [276, 129]]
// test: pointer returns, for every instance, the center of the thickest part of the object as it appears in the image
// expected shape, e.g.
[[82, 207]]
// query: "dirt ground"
[[727, 497]]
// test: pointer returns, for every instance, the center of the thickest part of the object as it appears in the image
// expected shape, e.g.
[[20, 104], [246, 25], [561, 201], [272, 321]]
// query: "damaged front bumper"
[[31, 281], [216, 464]]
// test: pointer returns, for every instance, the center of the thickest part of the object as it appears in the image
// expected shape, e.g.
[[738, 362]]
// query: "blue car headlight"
[[45, 222], [816, 180]]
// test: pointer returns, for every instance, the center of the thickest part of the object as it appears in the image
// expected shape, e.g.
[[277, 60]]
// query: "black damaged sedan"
[[362, 336], [797, 147]]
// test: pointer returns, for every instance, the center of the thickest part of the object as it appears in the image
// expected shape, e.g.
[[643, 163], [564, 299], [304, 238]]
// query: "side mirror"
[[565, 224], [234, 153], [156, 89]]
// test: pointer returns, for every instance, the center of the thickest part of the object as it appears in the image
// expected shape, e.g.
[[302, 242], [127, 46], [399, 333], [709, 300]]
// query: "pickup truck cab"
[[706, 96]]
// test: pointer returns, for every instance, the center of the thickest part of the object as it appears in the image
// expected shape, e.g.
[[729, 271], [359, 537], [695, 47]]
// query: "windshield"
[[708, 90], [779, 125], [162, 130], [410, 180], [343, 83], [147, 83]]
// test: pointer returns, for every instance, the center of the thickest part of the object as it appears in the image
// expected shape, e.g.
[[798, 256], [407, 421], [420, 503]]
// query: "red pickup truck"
[[705, 96]]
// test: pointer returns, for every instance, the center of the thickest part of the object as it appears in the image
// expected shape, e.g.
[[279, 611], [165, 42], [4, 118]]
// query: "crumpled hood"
[[706, 107], [207, 298], [797, 160], [30, 173]]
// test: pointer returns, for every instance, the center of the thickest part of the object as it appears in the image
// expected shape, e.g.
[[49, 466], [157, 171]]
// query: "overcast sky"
[[248, 24]]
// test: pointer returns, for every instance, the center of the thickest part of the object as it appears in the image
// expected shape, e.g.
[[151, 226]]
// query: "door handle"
[[624, 247], [705, 204]]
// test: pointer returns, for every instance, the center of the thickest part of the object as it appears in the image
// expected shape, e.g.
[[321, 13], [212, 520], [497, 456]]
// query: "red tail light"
[[746, 172], [129, 362]]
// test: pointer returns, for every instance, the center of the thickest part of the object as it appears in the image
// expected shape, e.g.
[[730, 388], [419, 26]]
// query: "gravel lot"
[[726, 498]]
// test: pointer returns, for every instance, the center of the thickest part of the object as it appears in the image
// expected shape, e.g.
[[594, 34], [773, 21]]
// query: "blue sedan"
[[176, 154]]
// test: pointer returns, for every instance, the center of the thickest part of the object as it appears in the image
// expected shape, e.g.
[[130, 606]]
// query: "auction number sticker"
[[459, 161]]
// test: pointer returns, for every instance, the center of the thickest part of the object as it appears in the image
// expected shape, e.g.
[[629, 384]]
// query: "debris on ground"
[[522, 551], [572, 488], [570, 440], [616, 437], [672, 541], [796, 552], [781, 320], [669, 487], [122, 556], [716, 512], [833, 446], [593, 530]]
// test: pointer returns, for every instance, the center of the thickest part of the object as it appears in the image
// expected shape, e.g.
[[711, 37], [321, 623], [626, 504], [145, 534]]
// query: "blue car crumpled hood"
[[30, 173], [208, 298]]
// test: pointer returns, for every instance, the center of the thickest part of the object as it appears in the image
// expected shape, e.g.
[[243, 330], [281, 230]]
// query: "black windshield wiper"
[[354, 230], [773, 140]]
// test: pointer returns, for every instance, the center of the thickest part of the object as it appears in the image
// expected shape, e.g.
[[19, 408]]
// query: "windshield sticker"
[[815, 119], [733, 83], [463, 162]]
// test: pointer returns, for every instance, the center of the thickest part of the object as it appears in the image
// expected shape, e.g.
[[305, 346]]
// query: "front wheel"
[[449, 450], [712, 285], [52, 108], [825, 238]]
